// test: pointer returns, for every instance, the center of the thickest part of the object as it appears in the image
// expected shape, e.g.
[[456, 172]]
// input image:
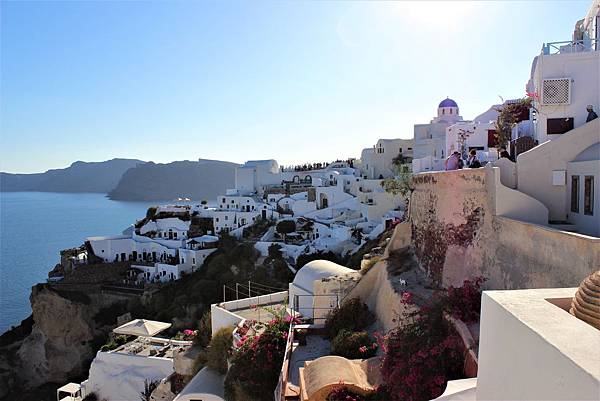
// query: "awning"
[[142, 327]]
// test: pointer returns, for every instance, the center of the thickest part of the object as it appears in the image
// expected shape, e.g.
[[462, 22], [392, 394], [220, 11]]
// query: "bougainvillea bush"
[[421, 356], [353, 345], [256, 364], [352, 315], [342, 393]]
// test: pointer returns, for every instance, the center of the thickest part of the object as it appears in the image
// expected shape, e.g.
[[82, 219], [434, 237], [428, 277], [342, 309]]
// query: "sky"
[[296, 81]]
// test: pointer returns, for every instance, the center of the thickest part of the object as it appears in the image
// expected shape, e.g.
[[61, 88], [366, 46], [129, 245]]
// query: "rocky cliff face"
[[66, 332]]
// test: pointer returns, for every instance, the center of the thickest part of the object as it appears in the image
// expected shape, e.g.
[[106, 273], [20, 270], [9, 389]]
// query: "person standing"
[[504, 154], [452, 162], [591, 114], [473, 161]]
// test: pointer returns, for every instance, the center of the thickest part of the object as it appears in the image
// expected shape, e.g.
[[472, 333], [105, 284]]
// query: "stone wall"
[[458, 234]]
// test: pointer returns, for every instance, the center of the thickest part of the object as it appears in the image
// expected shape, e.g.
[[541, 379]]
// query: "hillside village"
[[386, 277]]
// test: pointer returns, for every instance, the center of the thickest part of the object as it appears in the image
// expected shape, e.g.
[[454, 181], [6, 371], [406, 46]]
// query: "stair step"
[[564, 227]]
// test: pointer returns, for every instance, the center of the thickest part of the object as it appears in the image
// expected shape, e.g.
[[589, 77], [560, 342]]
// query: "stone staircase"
[[563, 226]]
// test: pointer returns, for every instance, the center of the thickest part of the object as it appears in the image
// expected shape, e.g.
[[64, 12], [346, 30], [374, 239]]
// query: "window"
[[557, 126], [575, 194], [443, 111], [588, 195], [450, 111], [226, 217]]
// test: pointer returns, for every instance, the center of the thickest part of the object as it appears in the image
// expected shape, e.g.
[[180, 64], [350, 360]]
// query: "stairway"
[[563, 226]]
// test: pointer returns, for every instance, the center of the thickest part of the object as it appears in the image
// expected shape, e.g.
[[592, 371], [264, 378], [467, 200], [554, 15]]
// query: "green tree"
[[509, 115], [285, 227]]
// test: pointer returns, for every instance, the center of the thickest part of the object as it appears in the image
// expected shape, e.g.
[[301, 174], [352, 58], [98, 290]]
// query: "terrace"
[[145, 343], [570, 46]]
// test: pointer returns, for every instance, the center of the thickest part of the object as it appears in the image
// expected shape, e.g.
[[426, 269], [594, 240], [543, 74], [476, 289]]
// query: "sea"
[[35, 226]]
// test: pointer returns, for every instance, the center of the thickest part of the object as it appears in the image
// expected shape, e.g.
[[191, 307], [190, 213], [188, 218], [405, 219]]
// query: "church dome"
[[447, 103], [586, 303]]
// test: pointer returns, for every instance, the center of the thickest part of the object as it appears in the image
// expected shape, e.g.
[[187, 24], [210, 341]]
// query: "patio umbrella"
[[142, 328]]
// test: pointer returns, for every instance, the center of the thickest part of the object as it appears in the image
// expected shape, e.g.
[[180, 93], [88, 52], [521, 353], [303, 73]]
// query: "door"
[[264, 214]]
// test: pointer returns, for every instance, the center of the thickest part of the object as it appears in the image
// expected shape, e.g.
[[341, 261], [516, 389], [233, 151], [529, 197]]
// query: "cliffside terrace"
[[153, 347]]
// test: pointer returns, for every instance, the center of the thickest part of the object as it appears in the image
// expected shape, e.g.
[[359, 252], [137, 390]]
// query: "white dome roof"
[[316, 270]]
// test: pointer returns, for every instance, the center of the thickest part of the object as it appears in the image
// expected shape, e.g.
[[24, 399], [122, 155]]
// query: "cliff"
[[59, 340], [204, 179], [78, 177]]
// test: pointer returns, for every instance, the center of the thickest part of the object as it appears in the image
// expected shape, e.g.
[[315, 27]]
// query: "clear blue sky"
[[291, 80]]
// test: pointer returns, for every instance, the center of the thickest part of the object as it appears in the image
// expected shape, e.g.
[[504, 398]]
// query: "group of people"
[[456, 162]]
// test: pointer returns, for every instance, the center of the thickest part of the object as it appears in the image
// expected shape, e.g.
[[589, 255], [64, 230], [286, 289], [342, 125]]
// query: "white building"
[[255, 175], [172, 228], [565, 79], [532, 348], [304, 296], [377, 162], [119, 374], [429, 150], [475, 135]]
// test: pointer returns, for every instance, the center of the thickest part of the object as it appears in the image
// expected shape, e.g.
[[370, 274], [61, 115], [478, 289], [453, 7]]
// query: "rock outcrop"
[[65, 333]]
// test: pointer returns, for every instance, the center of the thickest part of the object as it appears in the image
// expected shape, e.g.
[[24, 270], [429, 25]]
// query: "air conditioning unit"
[[556, 91]]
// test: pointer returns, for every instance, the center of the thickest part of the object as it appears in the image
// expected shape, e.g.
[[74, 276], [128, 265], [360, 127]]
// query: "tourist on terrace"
[[453, 162], [504, 154], [473, 161], [591, 114]]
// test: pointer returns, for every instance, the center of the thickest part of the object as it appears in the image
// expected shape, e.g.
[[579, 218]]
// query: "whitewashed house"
[[565, 79], [377, 162], [478, 136], [172, 228]]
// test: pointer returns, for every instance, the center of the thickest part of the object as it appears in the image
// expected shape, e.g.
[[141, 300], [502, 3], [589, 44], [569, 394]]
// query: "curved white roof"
[[316, 270]]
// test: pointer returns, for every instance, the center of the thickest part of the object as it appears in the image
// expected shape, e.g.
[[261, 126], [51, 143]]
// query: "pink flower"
[[406, 298], [439, 380], [363, 349]]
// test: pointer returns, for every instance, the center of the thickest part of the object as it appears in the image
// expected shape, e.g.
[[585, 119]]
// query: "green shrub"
[[200, 361], [218, 350], [151, 212], [114, 343], [204, 330], [286, 227], [352, 315], [353, 345]]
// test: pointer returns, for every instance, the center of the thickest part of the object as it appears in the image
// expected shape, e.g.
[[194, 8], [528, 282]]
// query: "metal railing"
[[279, 394], [570, 46], [250, 290]]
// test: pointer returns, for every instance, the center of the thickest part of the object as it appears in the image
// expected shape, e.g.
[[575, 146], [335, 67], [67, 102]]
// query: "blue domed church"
[[430, 139]]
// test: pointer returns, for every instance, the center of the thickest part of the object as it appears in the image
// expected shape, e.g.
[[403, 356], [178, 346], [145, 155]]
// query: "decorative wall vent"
[[556, 91]]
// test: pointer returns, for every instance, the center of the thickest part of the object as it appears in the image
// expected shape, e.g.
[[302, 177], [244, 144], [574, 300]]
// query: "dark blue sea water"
[[35, 226]]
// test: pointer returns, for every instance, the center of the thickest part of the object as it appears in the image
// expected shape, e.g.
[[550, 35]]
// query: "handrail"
[[570, 46], [279, 394]]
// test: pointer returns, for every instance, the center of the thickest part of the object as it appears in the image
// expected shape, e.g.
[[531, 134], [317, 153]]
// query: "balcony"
[[571, 46]]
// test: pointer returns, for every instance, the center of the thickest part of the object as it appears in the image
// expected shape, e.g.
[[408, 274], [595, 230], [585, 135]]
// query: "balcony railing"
[[571, 46]]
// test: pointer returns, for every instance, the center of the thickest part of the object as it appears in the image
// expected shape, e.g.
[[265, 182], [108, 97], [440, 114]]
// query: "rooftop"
[[152, 347]]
